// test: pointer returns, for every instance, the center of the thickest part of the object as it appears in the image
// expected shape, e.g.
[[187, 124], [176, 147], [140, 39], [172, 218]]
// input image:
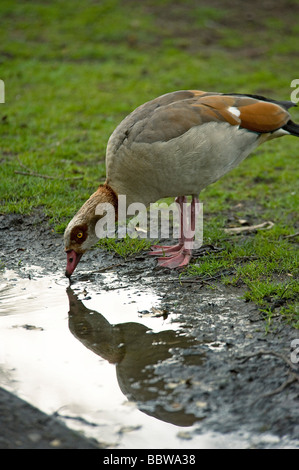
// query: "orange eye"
[[79, 234]]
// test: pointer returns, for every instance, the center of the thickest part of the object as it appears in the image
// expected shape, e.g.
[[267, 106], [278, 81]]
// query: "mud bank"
[[194, 359], [25, 427]]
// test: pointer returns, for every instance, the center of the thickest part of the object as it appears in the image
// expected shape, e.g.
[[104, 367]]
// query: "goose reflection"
[[135, 350]]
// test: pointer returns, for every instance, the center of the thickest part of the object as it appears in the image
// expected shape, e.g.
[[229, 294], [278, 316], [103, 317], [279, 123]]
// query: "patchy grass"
[[73, 71], [265, 263], [124, 247]]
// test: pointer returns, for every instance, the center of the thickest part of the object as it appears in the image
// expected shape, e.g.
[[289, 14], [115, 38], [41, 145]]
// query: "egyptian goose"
[[174, 146]]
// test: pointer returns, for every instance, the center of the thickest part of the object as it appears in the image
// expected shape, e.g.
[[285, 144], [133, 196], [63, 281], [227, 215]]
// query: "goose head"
[[80, 234]]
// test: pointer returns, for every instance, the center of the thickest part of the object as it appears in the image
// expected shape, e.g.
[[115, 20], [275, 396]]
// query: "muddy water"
[[94, 356]]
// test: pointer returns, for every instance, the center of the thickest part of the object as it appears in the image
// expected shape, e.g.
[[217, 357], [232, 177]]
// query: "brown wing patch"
[[263, 116]]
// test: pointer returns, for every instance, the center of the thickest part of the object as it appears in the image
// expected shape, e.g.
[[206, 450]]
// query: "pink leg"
[[166, 250], [179, 255]]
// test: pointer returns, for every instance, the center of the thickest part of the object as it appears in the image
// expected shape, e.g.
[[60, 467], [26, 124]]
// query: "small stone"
[[55, 443], [184, 435], [201, 404], [34, 437]]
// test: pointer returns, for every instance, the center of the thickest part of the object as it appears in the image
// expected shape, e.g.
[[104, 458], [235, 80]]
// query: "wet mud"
[[191, 363]]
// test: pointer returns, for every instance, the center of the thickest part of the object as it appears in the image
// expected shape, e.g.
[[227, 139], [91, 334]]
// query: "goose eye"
[[79, 234]]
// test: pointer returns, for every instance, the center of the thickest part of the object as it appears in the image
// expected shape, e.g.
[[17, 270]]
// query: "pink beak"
[[73, 259]]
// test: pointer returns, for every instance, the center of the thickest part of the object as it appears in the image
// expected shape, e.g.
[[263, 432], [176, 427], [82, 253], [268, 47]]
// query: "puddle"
[[84, 365], [91, 356]]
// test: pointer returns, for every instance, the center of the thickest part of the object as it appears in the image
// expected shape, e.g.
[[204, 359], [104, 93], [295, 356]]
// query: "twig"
[[107, 268], [39, 175], [250, 228], [292, 236], [192, 280], [262, 352], [56, 414], [29, 172], [293, 378]]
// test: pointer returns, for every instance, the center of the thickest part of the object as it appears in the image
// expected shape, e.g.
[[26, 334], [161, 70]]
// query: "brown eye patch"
[[79, 233]]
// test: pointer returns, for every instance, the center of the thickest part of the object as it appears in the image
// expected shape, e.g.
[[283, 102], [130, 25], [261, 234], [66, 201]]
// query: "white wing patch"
[[235, 111]]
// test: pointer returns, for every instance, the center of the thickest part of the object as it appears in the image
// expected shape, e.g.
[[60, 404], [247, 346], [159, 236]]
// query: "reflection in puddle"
[[135, 349]]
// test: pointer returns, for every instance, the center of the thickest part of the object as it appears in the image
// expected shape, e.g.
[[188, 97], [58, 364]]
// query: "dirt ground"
[[25, 427], [229, 376]]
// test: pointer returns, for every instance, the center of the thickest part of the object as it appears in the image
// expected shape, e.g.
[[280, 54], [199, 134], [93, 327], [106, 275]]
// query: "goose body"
[[174, 146]]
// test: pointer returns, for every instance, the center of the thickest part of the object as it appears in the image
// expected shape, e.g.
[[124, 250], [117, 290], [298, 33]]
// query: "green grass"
[[266, 264], [74, 70], [124, 247]]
